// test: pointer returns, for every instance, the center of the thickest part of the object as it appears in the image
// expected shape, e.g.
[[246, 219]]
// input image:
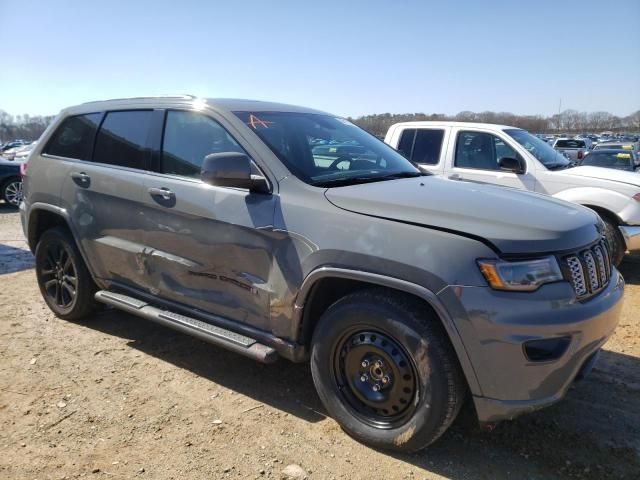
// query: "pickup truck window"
[[188, 138], [422, 145], [74, 137], [542, 151], [570, 144], [480, 150], [327, 151]]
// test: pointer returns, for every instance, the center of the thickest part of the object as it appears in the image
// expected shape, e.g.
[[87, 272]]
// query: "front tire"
[[615, 240], [65, 283], [12, 191], [384, 369]]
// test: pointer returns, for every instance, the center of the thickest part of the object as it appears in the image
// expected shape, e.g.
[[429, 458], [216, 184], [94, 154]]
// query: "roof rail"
[[179, 96]]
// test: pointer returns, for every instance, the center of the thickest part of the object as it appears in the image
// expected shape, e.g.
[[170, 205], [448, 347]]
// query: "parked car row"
[[17, 152], [280, 231]]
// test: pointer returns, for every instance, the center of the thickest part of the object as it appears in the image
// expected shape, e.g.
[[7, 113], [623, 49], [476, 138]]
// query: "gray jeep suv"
[[273, 230]]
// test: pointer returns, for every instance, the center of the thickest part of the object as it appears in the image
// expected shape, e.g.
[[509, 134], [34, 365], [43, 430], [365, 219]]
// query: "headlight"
[[523, 276]]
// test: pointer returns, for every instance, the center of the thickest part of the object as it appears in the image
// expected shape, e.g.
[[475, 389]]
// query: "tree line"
[[569, 121], [22, 127], [27, 127]]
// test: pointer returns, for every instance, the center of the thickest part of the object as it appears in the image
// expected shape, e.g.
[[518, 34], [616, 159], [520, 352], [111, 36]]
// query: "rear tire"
[[372, 334], [65, 283], [615, 240]]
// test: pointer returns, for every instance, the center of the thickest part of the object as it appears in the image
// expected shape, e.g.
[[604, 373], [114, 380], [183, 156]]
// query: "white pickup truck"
[[514, 158]]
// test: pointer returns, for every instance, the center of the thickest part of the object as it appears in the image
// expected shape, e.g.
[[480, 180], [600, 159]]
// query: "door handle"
[[81, 179], [165, 193]]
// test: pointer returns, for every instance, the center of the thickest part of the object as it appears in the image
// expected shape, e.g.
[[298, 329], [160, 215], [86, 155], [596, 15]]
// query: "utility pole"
[[559, 115]]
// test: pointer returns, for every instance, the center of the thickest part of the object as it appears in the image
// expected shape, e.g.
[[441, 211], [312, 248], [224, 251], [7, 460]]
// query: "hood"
[[513, 221], [611, 174]]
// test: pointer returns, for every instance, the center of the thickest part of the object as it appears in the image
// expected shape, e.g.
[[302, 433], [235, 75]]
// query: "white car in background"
[[23, 152], [512, 157]]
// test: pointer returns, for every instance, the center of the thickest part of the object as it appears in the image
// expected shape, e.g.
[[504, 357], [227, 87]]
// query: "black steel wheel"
[[376, 377], [385, 370], [65, 283]]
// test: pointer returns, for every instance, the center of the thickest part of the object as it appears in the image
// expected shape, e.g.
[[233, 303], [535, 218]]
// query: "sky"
[[346, 57]]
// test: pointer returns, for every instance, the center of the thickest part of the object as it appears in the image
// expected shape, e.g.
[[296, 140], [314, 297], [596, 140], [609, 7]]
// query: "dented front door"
[[209, 247]]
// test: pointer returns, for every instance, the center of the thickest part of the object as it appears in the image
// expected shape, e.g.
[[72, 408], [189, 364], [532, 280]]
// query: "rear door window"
[[427, 146], [74, 137], [188, 138], [405, 145], [124, 139]]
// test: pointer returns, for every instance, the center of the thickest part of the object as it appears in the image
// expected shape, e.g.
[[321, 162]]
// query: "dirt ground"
[[118, 397]]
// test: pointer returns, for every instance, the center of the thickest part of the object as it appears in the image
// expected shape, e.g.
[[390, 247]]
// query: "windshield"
[[618, 160], [546, 155], [327, 151]]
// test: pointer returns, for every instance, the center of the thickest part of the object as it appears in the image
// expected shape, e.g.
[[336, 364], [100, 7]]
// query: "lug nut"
[[365, 363], [376, 387], [364, 378], [379, 364], [386, 379]]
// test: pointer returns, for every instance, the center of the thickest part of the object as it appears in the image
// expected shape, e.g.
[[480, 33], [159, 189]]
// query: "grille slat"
[[602, 266], [592, 271], [588, 270]]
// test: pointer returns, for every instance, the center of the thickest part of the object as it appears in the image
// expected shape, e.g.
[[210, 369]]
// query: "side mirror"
[[232, 169], [510, 164]]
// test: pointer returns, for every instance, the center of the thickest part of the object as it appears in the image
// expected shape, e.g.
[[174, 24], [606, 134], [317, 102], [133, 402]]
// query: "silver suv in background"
[[273, 230]]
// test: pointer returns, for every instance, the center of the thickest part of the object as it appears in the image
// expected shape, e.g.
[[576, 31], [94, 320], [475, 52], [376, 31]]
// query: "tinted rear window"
[[570, 144], [123, 139], [74, 137]]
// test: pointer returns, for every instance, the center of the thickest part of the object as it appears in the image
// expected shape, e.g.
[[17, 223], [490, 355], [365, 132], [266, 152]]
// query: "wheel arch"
[[325, 285], [41, 218], [604, 212]]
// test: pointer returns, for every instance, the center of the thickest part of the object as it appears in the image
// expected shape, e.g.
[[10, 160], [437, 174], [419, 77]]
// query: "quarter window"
[[123, 139], [481, 150], [188, 138], [74, 137]]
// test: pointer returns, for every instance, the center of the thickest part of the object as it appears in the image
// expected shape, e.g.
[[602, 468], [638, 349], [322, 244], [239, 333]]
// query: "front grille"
[[588, 269]]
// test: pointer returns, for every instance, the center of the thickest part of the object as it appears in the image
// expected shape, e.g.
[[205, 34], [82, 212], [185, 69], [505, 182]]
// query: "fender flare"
[[64, 214], [397, 284], [603, 198]]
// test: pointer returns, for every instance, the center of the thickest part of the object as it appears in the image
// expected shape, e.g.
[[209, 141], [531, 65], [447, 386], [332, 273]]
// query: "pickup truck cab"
[[512, 157]]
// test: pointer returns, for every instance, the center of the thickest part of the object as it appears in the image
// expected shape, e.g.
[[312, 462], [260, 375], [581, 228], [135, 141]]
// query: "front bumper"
[[494, 327], [631, 236]]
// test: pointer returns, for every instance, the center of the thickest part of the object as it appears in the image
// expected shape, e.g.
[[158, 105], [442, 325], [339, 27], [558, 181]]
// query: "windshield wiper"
[[344, 181]]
